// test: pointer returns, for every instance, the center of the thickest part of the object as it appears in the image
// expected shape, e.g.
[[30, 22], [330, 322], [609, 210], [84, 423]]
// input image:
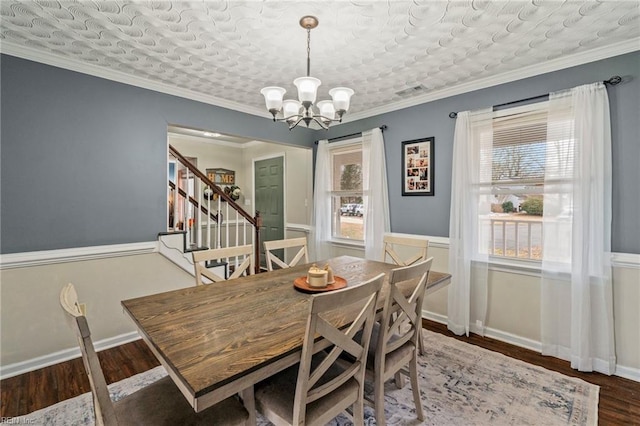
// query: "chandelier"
[[293, 112]]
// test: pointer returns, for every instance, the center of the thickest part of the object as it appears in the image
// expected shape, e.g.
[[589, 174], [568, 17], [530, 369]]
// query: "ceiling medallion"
[[293, 112]]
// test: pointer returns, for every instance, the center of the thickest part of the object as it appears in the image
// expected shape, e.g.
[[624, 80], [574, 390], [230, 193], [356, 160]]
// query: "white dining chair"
[[413, 250], [395, 337], [271, 246], [160, 403], [319, 388], [241, 258]]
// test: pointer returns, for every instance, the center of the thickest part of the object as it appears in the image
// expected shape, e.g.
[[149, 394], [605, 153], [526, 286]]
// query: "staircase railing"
[[207, 219]]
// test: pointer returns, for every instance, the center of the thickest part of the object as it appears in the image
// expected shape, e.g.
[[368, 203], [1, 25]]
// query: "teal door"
[[269, 196]]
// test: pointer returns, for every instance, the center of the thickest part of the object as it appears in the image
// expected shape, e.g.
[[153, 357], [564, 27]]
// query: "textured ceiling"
[[226, 51]]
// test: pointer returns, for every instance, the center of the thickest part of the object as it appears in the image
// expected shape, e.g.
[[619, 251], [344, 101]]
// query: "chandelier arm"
[[321, 124], [291, 126], [333, 120], [295, 117]]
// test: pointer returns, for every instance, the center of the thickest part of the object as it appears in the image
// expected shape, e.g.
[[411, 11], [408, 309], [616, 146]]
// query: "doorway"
[[269, 199]]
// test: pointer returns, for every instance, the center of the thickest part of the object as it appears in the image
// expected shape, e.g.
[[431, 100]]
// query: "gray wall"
[[83, 159], [430, 215]]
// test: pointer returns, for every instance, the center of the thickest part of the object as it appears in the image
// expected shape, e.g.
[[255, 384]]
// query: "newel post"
[[257, 227]]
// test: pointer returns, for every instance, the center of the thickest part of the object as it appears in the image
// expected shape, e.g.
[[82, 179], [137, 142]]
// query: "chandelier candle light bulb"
[[341, 97], [273, 97], [307, 89], [293, 112], [291, 108]]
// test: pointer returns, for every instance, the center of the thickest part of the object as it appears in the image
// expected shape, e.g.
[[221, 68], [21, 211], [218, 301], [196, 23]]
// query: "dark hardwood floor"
[[619, 398]]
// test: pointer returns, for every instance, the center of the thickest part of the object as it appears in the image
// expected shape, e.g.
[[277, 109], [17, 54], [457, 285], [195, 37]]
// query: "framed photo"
[[417, 167]]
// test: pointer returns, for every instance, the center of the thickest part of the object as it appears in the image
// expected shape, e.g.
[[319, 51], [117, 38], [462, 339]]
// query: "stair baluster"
[[193, 207]]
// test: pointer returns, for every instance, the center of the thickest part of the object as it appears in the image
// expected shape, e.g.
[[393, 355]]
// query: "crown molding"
[[237, 145], [210, 141], [592, 55], [12, 49], [254, 143]]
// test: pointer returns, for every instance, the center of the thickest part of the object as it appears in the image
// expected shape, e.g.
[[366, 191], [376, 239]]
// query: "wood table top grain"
[[215, 340]]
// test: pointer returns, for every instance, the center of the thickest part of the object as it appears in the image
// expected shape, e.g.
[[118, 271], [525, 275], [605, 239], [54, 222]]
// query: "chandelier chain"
[[308, 51]]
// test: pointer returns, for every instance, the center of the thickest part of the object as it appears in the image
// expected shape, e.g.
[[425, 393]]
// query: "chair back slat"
[[242, 254], [401, 315], [270, 246], [393, 242]]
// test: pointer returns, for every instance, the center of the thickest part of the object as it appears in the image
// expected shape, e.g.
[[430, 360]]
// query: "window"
[[513, 183], [346, 192]]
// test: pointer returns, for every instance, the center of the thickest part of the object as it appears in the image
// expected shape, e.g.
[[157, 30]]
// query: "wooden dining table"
[[219, 339]]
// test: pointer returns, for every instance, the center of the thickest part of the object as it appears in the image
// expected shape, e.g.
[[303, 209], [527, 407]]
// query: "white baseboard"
[[510, 338], [628, 373], [523, 342], [33, 364], [442, 319]]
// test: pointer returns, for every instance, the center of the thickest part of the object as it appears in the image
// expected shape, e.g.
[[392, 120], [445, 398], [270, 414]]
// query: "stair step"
[[160, 234], [190, 249]]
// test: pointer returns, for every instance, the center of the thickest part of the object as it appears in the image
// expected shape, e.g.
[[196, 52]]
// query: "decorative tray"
[[301, 284]]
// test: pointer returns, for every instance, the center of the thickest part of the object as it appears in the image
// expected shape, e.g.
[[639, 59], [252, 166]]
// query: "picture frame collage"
[[417, 166]]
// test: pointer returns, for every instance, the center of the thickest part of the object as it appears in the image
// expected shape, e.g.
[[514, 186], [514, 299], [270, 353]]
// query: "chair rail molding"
[[625, 260], [618, 260], [49, 257], [298, 227]]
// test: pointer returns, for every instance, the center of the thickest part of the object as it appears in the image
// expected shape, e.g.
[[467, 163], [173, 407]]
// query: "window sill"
[[519, 266], [347, 243]]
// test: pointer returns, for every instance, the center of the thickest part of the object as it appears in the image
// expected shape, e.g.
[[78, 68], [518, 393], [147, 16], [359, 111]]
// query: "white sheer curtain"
[[469, 224], [376, 199], [322, 215], [576, 305]]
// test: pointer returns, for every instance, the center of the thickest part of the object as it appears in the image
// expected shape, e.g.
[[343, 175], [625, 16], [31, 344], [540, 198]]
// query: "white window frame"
[[345, 146], [508, 263]]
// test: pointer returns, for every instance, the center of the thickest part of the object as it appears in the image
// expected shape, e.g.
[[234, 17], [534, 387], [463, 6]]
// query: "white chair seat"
[[277, 395], [161, 404], [401, 355]]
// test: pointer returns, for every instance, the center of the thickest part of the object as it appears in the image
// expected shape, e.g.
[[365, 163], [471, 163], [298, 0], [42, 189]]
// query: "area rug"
[[461, 384]]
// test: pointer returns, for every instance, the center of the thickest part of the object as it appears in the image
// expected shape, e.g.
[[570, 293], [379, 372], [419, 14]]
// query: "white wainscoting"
[[49, 257], [618, 260]]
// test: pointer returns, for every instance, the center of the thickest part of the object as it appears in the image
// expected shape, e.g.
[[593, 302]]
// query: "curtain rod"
[[383, 128], [612, 81]]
